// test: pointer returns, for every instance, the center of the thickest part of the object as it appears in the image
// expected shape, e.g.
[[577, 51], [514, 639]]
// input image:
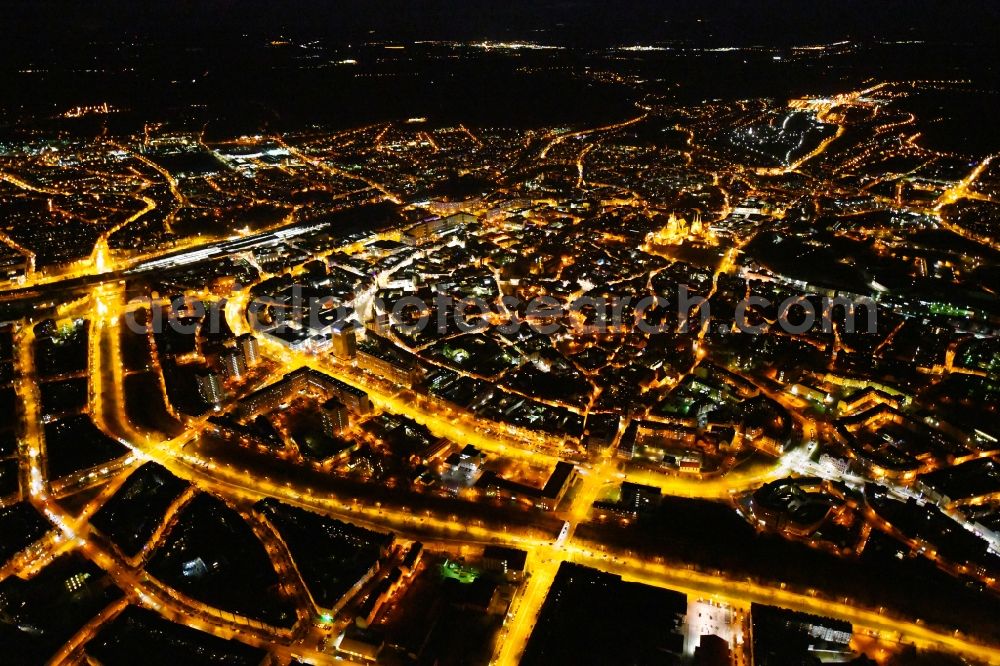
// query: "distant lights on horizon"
[[727, 49], [516, 46]]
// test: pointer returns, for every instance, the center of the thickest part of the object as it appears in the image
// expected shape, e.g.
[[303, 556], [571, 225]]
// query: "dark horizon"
[[575, 23], [500, 333]]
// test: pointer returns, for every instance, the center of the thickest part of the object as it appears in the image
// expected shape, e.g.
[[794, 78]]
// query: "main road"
[[545, 555]]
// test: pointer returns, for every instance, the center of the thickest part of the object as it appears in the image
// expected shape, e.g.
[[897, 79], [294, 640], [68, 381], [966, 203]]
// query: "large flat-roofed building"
[[361, 644], [429, 229], [300, 381], [233, 363], [295, 339], [13, 264], [354, 398], [637, 498], [546, 497], [510, 562], [334, 416], [250, 348], [345, 342], [412, 558], [594, 617], [381, 357], [266, 399], [781, 637], [209, 385]]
